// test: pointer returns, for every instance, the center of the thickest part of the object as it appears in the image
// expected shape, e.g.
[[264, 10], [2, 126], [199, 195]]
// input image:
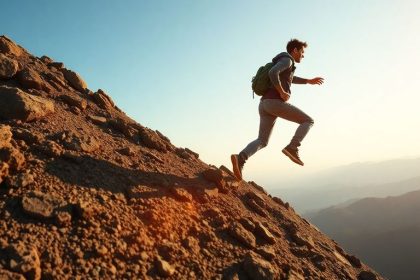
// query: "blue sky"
[[184, 68]]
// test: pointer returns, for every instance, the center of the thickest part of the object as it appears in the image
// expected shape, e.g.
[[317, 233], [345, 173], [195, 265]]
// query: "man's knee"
[[263, 143], [309, 121]]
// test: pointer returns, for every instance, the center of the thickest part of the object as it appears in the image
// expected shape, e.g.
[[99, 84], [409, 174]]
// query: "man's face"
[[298, 54]]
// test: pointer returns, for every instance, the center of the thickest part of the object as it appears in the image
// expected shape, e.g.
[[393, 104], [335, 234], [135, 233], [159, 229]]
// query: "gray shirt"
[[283, 64]]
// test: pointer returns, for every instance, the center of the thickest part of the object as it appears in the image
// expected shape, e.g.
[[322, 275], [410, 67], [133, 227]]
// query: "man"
[[274, 104]]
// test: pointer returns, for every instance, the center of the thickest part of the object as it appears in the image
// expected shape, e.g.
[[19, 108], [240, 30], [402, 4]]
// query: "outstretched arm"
[[314, 81]]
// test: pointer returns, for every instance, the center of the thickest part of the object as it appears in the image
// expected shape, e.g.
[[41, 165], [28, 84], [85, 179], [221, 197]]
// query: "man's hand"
[[316, 81]]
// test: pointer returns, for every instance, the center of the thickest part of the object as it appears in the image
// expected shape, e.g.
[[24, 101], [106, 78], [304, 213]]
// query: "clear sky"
[[184, 68]]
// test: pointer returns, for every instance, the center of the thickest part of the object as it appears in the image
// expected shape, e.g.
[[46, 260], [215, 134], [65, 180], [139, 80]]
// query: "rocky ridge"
[[86, 192]]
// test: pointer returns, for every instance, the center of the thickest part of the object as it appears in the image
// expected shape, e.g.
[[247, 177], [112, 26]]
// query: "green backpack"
[[261, 81]]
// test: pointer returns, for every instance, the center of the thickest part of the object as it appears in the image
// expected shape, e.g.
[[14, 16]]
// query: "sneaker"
[[237, 164], [293, 155]]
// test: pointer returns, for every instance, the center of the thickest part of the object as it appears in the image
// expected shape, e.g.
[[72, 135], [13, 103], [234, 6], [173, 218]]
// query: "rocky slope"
[[86, 192]]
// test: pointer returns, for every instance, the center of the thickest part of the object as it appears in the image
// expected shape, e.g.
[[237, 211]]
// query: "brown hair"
[[295, 43]]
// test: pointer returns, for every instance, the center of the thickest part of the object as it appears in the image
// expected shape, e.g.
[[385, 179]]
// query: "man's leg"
[[267, 122], [289, 112]]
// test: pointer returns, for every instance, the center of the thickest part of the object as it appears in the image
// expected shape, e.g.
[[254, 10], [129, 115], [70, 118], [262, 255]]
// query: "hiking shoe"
[[293, 155], [237, 164]]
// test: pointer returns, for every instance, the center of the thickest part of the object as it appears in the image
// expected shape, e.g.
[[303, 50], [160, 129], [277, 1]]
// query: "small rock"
[[257, 268], [83, 210], [237, 231], [301, 241], [63, 219], [37, 207], [51, 149], [256, 207], [249, 225], [192, 244], [181, 194], [98, 120], [264, 233], [215, 176], [164, 268], [127, 151], [5, 135], [102, 250], [144, 256], [258, 187]]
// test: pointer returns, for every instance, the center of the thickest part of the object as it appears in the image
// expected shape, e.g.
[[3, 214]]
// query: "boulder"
[[7, 46], [74, 80], [29, 78], [8, 67], [17, 104], [152, 140], [103, 100], [74, 101]]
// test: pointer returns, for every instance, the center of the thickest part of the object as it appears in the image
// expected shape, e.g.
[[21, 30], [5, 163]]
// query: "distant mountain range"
[[384, 232], [355, 181]]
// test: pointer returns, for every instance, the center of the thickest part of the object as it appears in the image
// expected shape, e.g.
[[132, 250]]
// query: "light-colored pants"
[[269, 110]]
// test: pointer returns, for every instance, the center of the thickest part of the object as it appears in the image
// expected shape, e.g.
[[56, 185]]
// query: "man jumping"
[[274, 104]]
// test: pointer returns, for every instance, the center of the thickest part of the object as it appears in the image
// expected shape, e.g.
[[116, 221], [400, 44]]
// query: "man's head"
[[296, 49]]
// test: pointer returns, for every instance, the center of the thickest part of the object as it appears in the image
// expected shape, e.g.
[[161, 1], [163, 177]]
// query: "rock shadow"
[[90, 172]]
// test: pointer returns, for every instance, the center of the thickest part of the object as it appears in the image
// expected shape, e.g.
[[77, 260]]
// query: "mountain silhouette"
[[374, 227]]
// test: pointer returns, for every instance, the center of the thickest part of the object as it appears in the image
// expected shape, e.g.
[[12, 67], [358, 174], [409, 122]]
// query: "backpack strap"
[[288, 56]]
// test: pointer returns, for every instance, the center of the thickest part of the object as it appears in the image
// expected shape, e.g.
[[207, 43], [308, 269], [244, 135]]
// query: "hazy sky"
[[185, 68]]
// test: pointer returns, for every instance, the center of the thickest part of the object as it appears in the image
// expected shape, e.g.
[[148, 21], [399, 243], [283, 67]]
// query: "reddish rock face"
[[85, 191], [8, 67]]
